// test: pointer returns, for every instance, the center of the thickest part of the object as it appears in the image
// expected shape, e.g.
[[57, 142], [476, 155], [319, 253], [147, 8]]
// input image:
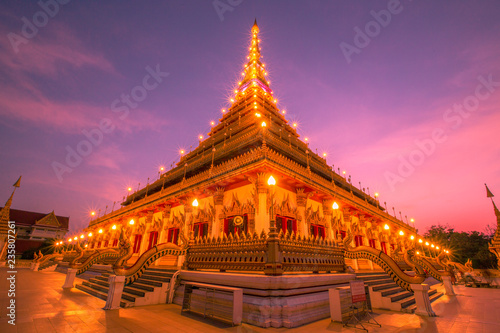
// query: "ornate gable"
[[50, 220]]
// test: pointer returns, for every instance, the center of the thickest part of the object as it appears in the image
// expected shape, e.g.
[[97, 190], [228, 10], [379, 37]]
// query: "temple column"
[[116, 284], [219, 207], [301, 209], [424, 307], [261, 207], [70, 278], [327, 212], [188, 211]]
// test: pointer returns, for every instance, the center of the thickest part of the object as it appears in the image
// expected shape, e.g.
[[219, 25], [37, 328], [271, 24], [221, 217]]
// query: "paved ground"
[[42, 306]]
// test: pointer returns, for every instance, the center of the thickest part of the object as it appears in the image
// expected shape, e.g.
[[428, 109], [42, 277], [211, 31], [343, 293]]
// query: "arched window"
[[200, 229], [153, 239], [318, 230], [173, 235], [286, 224], [137, 243]]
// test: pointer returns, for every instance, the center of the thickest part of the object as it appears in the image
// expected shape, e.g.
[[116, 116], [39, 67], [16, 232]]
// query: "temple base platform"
[[289, 300]]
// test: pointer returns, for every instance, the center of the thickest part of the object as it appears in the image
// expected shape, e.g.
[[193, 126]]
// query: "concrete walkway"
[[42, 306]]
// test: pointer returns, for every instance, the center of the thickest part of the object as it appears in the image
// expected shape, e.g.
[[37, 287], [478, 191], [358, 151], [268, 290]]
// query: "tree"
[[464, 245]]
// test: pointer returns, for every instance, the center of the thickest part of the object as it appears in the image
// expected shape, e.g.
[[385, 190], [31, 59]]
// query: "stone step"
[[141, 286], [149, 282], [378, 282], [385, 286], [400, 296], [391, 291], [435, 296], [155, 277], [371, 277], [98, 287], [134, 291], [163, 274], [155, 269], [101, 295]]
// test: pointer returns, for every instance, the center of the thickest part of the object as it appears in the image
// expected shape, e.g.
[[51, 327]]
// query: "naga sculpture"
[[383, 260], [429, 267], [94, 258], [79, 250], [444, 260], [135, 271]]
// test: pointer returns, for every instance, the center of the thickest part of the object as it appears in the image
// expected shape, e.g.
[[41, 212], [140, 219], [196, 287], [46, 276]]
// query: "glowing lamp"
[[113, 227], [412, 237], [426, 243], [324, 154], [418, 252], [69, 240], [401, 233], [181, 152], [271, 181], [195, 203], [306, 139], [412, 220], [294, 125], [82, 236], [212, 123], [100, 231], [92, 213], [129, 189], [86, 245], [257, 115], [376, 194], [437, 247], [420, 241], [335, 205], [131, 222], [263, 124], [75, 238], [386, 227], [200, 137], [90, 234], [343, 172], [162, 168]]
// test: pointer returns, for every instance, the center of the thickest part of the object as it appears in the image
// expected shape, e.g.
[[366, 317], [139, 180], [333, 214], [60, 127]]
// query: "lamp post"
[[273, 264]]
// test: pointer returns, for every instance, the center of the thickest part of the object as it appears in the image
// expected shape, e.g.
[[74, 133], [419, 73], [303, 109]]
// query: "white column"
[[421, 293], [70, 278], [116, 284], [448, 286]]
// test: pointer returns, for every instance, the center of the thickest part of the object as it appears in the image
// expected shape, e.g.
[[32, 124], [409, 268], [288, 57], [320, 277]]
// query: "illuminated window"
[[358, 240], [173, 235], [153, 239], [200, 229], [286, 224], [372, 243], [318, 230], [105, 243], [137, 243]]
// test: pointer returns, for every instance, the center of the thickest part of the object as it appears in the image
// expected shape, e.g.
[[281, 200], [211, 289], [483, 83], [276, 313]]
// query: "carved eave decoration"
[[237, 208], [205, 214], [285, 209], [313, 217], [157, 224], [141, 228]]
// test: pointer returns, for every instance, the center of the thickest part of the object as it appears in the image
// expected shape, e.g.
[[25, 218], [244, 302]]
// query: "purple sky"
[[370, 110]]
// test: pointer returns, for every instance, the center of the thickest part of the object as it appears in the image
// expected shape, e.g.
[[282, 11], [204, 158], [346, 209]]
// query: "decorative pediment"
[[285, 209], [312, 216], [177, 221], [50, 220], [156, 226], [205, 214], [141, 228], [237, 208]]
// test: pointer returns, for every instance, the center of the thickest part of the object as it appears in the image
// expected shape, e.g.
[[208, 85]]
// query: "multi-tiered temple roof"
[[241, 129]]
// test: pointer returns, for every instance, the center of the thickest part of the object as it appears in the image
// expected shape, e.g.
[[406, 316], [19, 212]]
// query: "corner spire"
[[254, 72], [5, 212]]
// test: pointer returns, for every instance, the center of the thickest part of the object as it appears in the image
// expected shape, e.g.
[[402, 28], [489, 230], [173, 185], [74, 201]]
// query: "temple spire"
[[5, 212], [254, 73]]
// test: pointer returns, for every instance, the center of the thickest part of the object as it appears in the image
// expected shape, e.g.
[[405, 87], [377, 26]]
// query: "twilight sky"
[[404, 96]]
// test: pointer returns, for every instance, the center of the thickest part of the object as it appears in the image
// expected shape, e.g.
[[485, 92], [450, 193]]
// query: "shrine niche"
[[236, 208]]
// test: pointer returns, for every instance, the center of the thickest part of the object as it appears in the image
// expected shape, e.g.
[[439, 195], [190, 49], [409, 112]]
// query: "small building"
[[35, 228]]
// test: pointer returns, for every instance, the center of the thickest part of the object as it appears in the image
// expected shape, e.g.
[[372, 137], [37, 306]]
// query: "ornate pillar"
[[116, 284], [70, 278], [424, 307], [188, 214], [262, 213], [301, 209], [219, 206], [327, 212]]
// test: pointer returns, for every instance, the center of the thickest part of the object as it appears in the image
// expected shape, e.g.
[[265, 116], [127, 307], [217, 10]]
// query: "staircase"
[[49, 266], [150, 288], [386, 294]]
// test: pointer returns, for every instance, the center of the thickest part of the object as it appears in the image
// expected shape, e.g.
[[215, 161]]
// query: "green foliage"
[[464, 245]]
